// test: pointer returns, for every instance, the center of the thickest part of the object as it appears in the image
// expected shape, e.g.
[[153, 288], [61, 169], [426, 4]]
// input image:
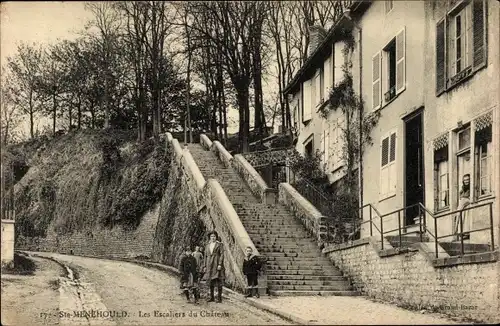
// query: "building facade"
[[430, 71]]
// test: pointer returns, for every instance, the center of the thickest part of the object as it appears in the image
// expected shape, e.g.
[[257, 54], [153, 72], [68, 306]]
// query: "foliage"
[[88, 178]]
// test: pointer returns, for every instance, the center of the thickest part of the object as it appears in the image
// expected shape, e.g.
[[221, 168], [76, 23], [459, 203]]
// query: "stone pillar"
[[7, 242]]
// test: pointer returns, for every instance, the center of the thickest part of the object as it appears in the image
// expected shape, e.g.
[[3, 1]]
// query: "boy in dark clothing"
[[251, 268], [189, 275]]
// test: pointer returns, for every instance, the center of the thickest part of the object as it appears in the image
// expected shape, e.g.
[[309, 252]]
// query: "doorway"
[[414, 166]]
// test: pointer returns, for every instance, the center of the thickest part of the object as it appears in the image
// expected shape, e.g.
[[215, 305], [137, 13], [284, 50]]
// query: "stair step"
[[297, 267], [305, 277], [453, 248], [312, 293], [336, 287], [302, 272], [340, 284]]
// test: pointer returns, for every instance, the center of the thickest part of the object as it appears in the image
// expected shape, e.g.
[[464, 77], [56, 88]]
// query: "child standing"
[[198, 256], [251, 268], [189, 275]]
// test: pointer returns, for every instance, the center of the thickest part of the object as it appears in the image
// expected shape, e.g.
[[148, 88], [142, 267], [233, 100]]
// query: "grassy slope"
[[86, 179]]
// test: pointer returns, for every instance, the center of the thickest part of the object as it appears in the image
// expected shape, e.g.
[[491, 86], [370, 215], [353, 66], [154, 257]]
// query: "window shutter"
[[392, 156], [440, 57], [400, 61], [385, 151], [479, 33], [376, 81], [326, 147], [317, 88], [327, 78], [392, 177], [307, 101]]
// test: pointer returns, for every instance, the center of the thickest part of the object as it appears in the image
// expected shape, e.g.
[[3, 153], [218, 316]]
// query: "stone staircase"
[[295, 264]]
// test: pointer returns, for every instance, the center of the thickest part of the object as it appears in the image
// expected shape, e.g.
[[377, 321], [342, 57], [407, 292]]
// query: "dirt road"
[[112, 292]]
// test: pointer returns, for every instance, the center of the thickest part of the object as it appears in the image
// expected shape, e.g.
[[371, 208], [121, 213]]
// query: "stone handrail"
[[254, 180], [177, 148], [222, 214], [230, 229], [311, 218], [222, 153], [188, 160], [205, 142]]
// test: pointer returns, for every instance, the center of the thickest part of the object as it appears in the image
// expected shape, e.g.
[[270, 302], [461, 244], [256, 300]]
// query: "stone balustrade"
[[311, 218], [216, 210]]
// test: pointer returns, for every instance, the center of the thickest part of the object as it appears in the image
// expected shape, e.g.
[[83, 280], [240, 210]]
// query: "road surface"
[[107, 292]]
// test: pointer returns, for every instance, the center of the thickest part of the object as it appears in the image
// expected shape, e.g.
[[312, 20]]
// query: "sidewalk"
[[344, 310]]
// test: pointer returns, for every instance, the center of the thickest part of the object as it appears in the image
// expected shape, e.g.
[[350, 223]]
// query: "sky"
[[42, 22], [46, 22]]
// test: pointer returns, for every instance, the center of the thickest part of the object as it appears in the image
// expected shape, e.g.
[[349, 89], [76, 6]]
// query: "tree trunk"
[[242, 95], [79, 113], [54, 108], [224, 114], [32, 122]]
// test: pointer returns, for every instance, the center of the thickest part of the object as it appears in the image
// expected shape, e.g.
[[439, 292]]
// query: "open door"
[[414, 166]]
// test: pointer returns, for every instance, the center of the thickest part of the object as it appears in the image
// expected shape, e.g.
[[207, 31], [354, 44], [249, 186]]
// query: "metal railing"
[[423, 212], [458, 216]]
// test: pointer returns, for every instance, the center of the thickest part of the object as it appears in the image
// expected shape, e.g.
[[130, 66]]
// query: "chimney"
[[316, 35]]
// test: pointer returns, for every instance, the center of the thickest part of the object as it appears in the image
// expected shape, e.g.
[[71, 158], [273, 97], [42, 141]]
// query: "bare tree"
[[11, 113], [26, 74], [107, 21]]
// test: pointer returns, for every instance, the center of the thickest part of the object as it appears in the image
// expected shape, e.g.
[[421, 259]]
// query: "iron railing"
[[376, 220], [460, 235]]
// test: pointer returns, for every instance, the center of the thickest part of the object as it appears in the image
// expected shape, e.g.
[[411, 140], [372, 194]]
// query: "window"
[[460, 44], [306, 100], [309, 147], [318, 88], [441, 178], [483, 161], [388, 174], [389, 71], [336, 142], [390, 55], [464, 163], [389, 4]]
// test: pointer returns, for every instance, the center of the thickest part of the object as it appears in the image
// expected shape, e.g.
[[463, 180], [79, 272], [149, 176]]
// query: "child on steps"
[[251, 268]]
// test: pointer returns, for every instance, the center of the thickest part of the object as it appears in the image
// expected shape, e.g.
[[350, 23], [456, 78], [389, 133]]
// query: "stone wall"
[[116, 242], [410, 279]]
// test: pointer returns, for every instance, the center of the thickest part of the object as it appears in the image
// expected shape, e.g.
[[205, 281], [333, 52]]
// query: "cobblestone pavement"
[[338, 310], [142, 296]]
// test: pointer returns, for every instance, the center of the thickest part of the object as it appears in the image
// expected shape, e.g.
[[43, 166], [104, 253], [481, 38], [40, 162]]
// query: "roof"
[[334, 34]]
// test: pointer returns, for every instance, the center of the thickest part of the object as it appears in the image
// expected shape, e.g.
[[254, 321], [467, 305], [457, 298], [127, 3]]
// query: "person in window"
[[214, 266], [463, 202]]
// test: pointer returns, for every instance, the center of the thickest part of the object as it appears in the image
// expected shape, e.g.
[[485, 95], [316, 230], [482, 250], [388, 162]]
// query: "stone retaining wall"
[[411, 280]]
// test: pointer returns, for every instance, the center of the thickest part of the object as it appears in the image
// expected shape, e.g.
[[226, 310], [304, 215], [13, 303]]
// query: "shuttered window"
[[376, 89], [388, 173], [440, 57], [400, 61], [307, 94], [479, 33], [460, 44]]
